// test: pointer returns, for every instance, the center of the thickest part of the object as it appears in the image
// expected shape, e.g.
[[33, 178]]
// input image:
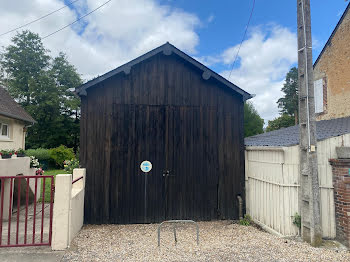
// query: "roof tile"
[[9, 108], [290, 136]]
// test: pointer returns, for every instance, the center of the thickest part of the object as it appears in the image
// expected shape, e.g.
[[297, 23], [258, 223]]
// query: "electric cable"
[[245, 32], [38, 19], [79, 18]]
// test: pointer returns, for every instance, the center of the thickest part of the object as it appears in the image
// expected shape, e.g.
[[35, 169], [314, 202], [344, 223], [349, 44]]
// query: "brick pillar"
[[341, 184]]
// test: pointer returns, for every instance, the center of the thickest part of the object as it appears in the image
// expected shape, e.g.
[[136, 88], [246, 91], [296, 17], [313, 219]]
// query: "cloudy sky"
[[208, 30]]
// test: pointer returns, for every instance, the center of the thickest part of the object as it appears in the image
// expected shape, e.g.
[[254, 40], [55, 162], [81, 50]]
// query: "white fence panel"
[[272, 195], [272, 184]]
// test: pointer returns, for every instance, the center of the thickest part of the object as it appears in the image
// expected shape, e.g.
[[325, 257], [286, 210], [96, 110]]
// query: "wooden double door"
[[182, 145]]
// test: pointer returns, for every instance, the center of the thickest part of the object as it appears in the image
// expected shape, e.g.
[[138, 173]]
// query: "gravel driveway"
[[219, 241]]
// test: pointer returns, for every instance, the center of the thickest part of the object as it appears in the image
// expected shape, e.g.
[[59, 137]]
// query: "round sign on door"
[[146, 166]]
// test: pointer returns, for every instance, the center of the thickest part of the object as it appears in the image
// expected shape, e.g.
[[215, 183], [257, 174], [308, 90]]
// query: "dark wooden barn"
[[187, 120]]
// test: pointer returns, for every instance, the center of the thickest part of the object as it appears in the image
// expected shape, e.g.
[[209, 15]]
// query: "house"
[[14, 121], [272, 175], [332, 73], [187, 120]]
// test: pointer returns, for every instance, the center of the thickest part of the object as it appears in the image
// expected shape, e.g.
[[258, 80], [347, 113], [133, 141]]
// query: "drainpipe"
[[240, 207], [25, 128]]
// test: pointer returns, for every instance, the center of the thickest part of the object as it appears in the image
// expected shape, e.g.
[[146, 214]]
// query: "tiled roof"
[[9, 108], [290, 136]]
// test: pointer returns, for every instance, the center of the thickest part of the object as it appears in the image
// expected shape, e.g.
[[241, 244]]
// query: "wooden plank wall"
[[165, 111]]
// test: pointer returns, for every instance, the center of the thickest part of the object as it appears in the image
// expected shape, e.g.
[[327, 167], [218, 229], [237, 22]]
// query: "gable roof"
[[9, 108], [167, 49], [290, 136], [332, 35]]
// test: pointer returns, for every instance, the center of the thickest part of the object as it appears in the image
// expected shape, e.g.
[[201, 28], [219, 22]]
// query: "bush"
[[246, 221], [41, 154], [297, 220], [60, 154], [69, 165]]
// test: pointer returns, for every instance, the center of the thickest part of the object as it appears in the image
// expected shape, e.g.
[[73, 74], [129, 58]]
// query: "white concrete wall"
[[12, 167], [77, 203], [272, 184], [17, 134], [68, 212]]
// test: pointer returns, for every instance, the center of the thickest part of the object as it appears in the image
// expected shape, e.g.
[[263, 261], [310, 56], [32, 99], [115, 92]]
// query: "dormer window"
[[4, 130]]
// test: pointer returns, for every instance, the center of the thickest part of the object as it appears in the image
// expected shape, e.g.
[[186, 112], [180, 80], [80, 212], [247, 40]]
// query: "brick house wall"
[[333, 66], [341, 184]]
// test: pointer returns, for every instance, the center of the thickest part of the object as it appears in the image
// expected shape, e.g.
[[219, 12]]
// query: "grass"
[[52, 172]]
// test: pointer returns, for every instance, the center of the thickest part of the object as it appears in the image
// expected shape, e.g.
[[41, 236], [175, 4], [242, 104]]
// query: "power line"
[[36, 20], [79, 18], [245, 32]]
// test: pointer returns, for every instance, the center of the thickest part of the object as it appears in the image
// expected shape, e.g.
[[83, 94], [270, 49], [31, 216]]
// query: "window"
[[318, 93], [4, 130]]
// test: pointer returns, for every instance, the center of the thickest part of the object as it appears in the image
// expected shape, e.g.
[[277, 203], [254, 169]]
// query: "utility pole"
[[309, 194]]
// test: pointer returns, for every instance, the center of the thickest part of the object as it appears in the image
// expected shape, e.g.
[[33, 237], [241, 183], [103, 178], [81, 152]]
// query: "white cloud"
[[115, 34], [264, 59], [125, 29]]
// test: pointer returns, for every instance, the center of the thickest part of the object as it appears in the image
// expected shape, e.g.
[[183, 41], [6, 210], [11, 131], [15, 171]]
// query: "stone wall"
[[341, 183], [334, 68]]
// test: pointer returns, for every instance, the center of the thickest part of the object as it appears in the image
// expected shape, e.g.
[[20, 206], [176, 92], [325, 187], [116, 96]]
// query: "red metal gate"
[[26, 209]]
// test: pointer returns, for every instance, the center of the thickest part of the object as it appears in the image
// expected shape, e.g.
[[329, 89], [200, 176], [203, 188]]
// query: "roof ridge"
[[167, 49]]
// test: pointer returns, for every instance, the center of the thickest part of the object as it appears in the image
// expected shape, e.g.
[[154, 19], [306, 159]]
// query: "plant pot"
[[5, 156], [21, 155], [343, 152]]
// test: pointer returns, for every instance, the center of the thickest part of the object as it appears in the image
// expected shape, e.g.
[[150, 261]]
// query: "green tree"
[[23, 62], [289, 102], [42, 86], [66, 77], [253, 123], [284, 120]]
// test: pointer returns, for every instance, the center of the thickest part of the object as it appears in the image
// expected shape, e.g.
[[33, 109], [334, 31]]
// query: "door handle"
[[166, 173]]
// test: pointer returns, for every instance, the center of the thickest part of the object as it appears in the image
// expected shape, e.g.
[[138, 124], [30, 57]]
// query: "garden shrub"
[[60, 154], [297, 220], [246, 221], [69, 165], [41, 154]]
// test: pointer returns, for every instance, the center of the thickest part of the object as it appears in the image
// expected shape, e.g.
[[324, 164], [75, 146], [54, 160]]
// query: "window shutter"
[[318, 94]]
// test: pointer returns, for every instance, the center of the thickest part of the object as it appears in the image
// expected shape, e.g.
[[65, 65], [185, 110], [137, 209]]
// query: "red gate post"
[[51, 208], [10, 213], [26, 218], [18, 205], [2, 207], [42, 210], [34, 213]]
